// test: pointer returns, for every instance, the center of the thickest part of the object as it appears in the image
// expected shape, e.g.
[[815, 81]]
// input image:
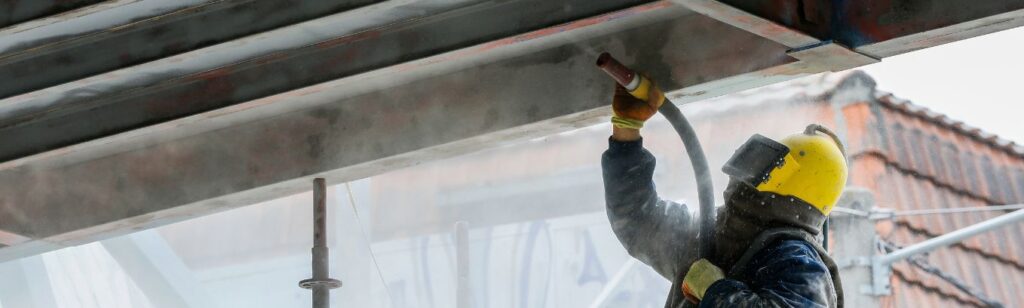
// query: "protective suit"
[[766, 242]]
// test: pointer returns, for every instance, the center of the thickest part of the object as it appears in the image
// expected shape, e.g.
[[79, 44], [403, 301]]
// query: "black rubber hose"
[[705, 190], [705, 187]]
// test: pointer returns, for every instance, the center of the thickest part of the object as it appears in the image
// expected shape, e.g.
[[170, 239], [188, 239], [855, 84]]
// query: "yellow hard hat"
[[810, 166]]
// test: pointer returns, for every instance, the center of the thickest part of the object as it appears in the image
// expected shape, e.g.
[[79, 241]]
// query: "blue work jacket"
[[786, 269]]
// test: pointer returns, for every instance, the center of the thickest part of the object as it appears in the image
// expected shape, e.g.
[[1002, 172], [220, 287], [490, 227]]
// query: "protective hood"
[[748, 212]]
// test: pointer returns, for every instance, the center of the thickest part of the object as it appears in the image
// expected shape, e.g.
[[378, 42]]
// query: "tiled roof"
[[922, 288], [905, 106], [820, 87], [922, 159]]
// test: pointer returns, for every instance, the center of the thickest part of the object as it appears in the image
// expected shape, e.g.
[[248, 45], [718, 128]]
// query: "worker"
[[766, 240]]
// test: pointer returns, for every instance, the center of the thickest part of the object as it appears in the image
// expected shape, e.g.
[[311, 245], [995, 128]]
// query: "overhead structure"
[[122, 115]]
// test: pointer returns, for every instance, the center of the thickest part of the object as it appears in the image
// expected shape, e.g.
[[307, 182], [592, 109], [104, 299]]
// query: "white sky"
[[978, 81]]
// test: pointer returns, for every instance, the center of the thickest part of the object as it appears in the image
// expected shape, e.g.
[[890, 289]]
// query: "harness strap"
[[771, 236]]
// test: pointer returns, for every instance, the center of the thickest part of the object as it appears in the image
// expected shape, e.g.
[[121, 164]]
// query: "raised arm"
[[660, 233]]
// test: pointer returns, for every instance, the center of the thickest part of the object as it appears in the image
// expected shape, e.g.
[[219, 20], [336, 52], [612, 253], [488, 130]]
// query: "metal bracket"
[[817, 54], [11, 238], [881, 265], [831, 56], [749, 22], [853, 262], [880, 274]]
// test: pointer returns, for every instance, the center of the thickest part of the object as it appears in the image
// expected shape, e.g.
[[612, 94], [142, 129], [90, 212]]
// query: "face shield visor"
[[759, 161]]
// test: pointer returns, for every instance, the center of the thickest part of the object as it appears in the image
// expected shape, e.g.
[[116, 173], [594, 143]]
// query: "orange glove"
[[632, 110]]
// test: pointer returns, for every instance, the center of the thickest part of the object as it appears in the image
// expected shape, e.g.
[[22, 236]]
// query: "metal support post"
[[953, 237], [880, 274], [854, 236], [462, 292], [881, 266], [320, 283]]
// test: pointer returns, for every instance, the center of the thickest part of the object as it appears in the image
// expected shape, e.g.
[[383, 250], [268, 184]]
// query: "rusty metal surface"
[[816, 54], [523, 86], [147, 33], [620, 73], [883, 28], [748, 21], [70, 25], [867, 22], [191, 83], [110, 146], [18, 11], [832, 57]]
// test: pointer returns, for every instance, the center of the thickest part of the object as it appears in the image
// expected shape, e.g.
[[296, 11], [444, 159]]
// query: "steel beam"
[[749, 22], [883, 28], [11, 239], [218, 127], [125, 33], [523, 86], [862, 32], [328, 48], [17, 11], [823, 54]]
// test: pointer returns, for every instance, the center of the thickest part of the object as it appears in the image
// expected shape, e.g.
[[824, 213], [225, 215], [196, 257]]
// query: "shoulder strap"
[[771, 236]]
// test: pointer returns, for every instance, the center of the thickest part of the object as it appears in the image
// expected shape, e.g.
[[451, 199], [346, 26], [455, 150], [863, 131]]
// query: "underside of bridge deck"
[[121, 115]]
